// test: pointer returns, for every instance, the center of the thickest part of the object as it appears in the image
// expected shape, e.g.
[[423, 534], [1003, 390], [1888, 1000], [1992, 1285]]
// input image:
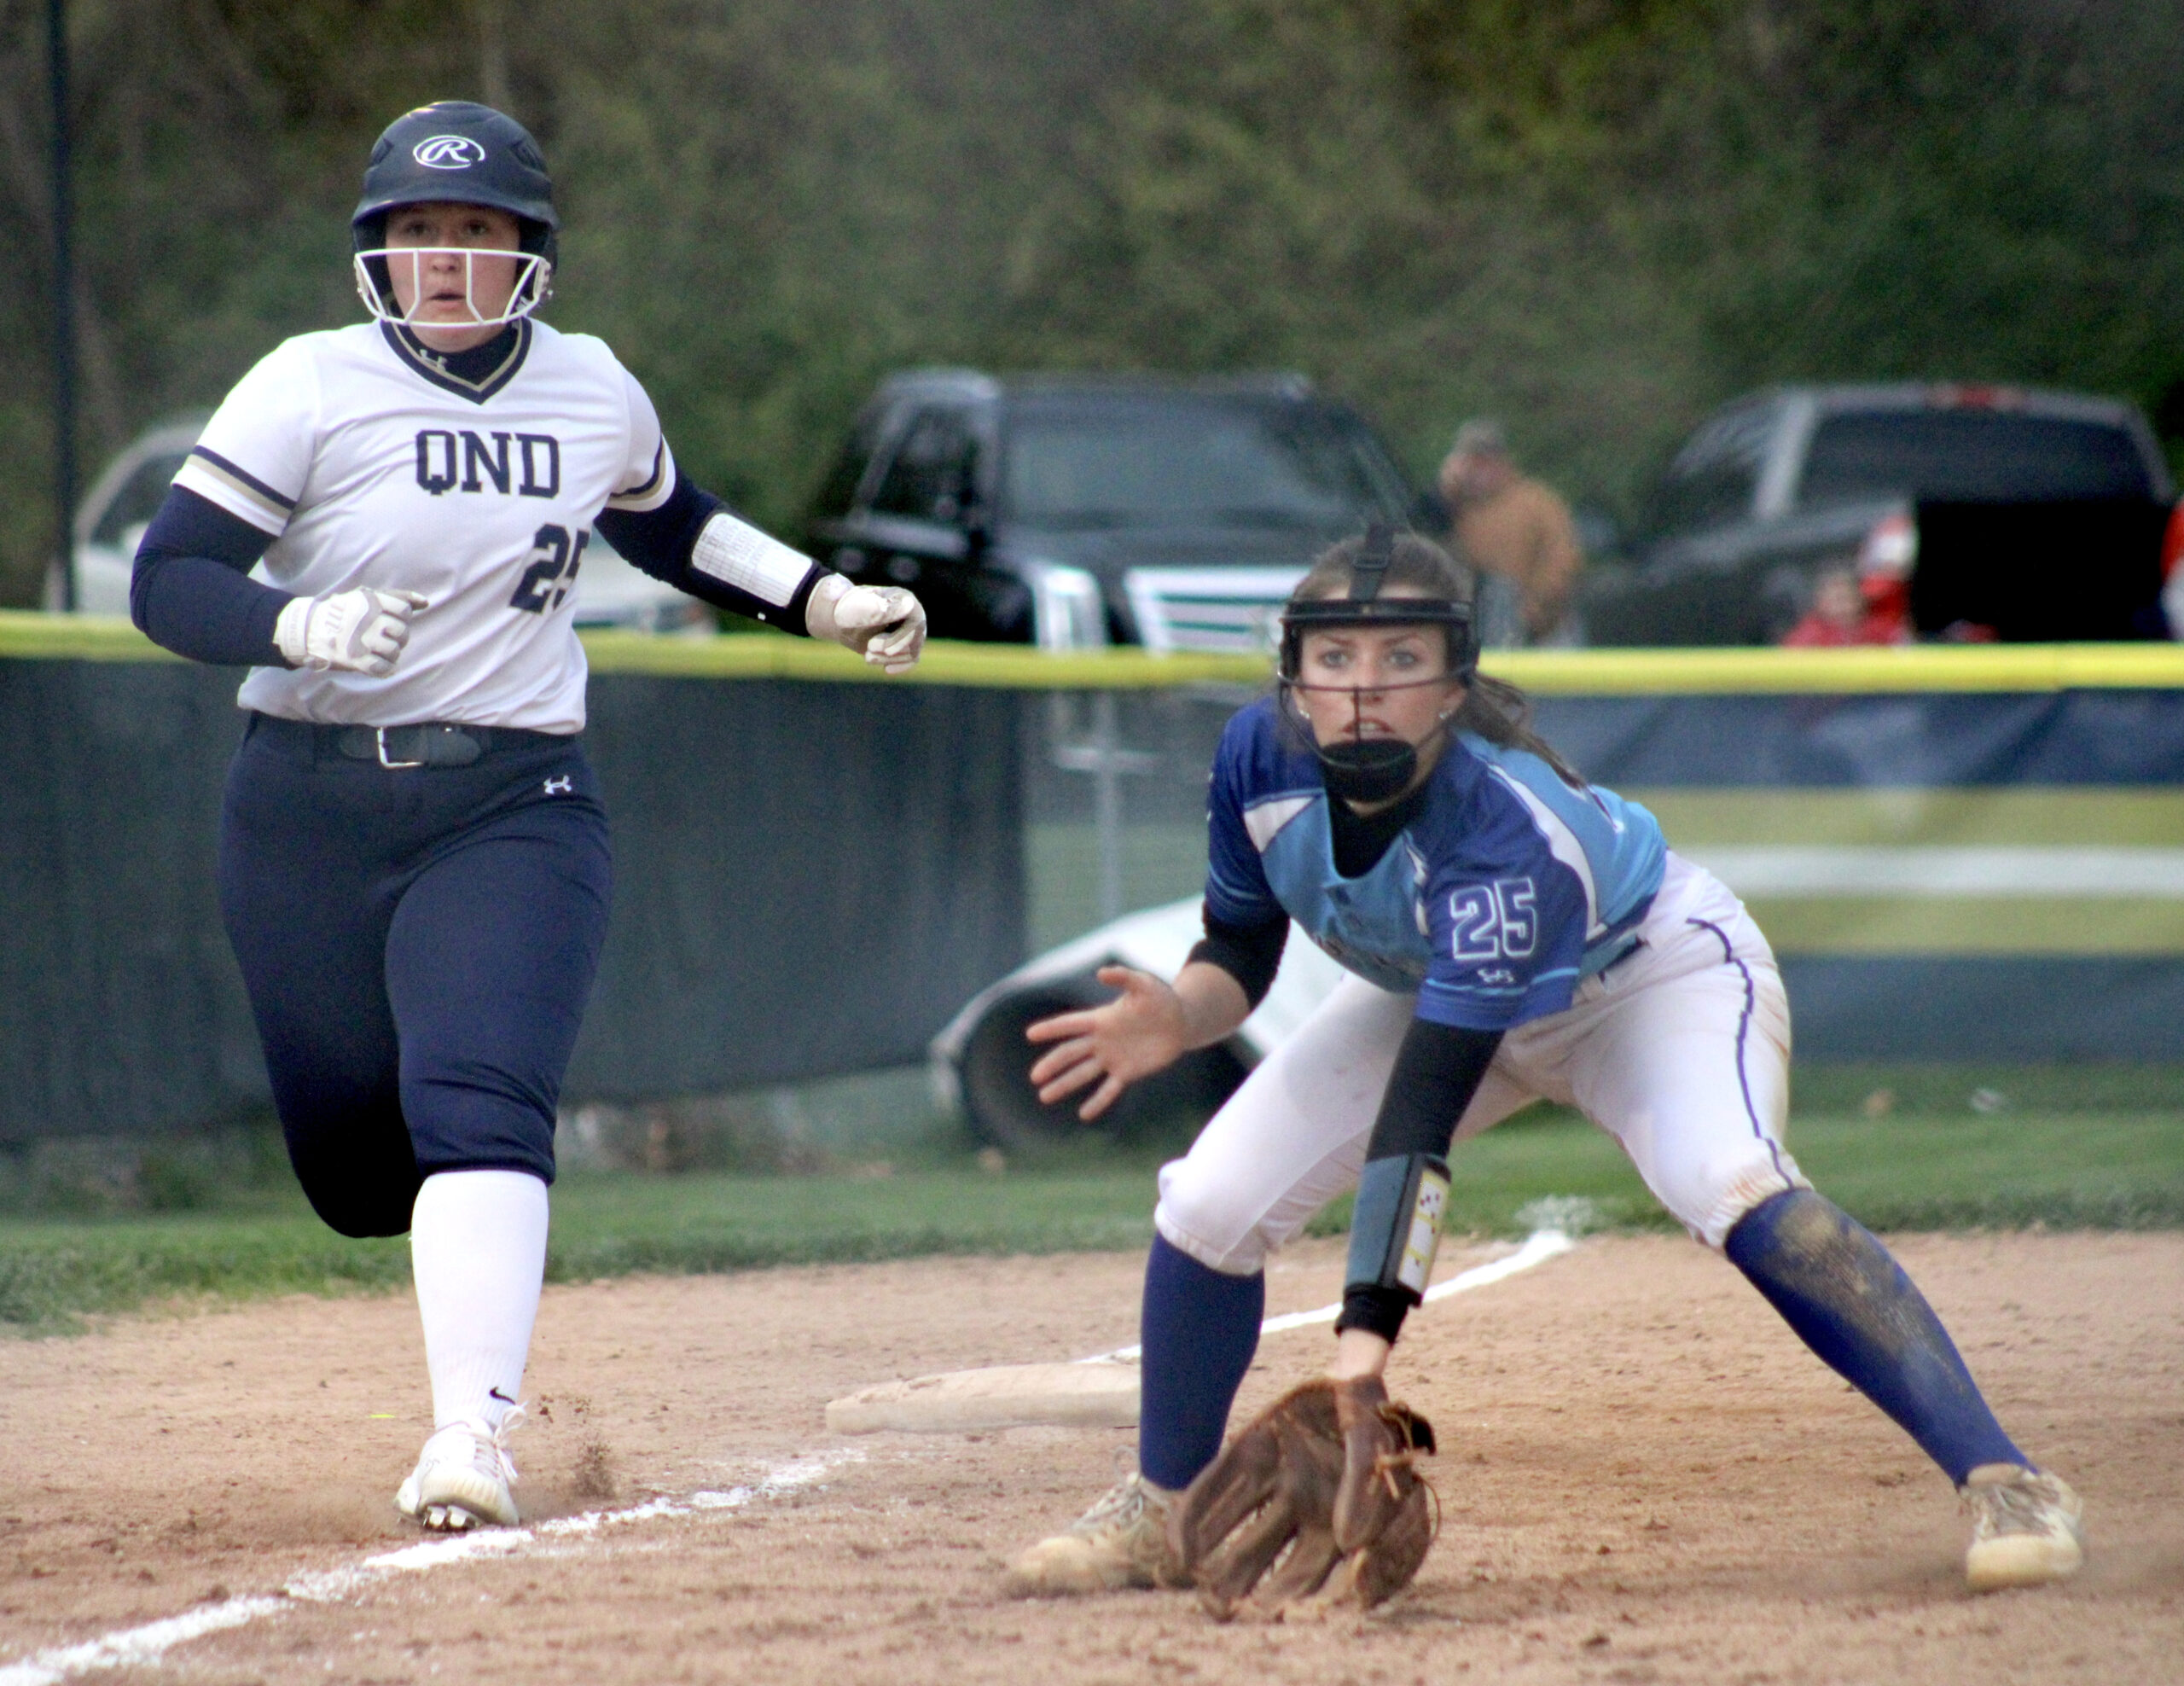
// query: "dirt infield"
[[1645, 1478]]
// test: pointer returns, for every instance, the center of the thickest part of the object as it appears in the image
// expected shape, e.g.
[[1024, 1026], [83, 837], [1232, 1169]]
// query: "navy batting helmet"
[[458, 151]]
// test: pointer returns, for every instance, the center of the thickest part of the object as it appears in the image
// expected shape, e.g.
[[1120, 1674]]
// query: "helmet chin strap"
[[1361, 768], [1368, 770]]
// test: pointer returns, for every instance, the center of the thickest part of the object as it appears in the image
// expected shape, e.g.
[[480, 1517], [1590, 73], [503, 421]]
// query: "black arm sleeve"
[[191, 592], [1438, 1069], [1251, 953], [660, 542]]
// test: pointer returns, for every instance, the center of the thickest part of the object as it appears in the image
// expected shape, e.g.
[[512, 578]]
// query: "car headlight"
[[1069, 612]]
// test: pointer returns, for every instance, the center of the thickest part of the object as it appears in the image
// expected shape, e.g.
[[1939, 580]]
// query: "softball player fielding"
[[1512, 933], [384, 523]]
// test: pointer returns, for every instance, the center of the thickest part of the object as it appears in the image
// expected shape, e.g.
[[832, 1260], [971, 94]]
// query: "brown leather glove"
[[1327, 1472]]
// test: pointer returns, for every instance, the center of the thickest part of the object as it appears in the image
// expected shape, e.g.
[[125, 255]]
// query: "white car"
[[980, 1064], [112, 518]]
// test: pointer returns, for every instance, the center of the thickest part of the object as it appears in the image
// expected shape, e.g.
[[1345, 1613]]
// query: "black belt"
[[430, 743]]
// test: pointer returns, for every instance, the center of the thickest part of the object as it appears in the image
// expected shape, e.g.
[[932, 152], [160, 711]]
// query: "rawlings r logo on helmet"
[[448, 152]]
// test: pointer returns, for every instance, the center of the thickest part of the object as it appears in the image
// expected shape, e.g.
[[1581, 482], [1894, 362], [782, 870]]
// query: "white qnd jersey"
[[372, 466]]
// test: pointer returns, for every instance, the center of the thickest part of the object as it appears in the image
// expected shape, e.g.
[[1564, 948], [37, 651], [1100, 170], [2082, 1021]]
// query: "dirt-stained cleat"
[[1120, 1541], [462, 1477], [2026, 1527]]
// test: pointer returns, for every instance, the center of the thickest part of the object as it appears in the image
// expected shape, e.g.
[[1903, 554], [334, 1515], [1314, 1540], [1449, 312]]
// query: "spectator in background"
[[1840, 615], [1869, 603], [1506, 523], [1837, 618]]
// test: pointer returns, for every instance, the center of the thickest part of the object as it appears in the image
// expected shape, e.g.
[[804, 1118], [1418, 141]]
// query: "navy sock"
[[1199, 1329], [1850, 1301]]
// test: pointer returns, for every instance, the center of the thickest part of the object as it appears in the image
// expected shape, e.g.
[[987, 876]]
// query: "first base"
[[1101, 1394]]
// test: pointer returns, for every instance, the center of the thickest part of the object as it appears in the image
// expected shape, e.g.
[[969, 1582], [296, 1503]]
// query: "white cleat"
[[2027, 1527], [462, 1477], [1122, 1541]]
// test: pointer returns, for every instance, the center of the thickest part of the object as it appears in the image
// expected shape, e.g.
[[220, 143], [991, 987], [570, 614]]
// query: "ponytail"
[[1501, 714]]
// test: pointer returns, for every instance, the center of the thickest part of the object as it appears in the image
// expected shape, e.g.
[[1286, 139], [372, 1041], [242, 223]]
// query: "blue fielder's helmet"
[[458, 152]]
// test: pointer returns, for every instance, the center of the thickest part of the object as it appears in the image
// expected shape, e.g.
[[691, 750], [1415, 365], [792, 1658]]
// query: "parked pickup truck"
[[1990, 512]]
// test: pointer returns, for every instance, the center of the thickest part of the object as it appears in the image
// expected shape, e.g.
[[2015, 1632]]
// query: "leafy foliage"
[[1594, 217]]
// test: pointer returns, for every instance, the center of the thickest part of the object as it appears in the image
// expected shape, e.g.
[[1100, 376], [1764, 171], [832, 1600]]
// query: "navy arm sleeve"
[[1251, 953], [660, 541], [190, 591], [1438, 1069]]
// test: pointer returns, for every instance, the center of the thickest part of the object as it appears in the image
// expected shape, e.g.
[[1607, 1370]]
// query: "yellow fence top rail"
[[767, 655]]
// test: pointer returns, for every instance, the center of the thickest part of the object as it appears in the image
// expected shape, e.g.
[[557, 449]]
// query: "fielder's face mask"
[[1358, 768], [374, 267]]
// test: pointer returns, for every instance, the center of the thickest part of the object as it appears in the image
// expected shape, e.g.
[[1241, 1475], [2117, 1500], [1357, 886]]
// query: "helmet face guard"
[[375, 269], [1358, 768]]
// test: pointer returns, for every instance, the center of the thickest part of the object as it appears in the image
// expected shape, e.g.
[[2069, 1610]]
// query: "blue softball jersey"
[[1507, 888]]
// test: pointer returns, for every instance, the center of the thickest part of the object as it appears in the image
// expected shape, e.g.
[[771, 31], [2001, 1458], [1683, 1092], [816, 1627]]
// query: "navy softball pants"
[[419, 945]]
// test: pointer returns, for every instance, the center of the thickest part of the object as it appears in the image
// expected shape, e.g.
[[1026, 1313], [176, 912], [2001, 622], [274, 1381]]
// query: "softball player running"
[[385, 522], [1512, 933]]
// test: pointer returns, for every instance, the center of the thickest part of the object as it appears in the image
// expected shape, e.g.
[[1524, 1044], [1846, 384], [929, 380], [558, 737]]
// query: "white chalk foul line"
[[141, 1647], [1539, 1246], [137, 1646]]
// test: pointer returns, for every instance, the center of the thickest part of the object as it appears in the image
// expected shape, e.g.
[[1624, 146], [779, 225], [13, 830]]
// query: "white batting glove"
[[884, 623], [359, 631]]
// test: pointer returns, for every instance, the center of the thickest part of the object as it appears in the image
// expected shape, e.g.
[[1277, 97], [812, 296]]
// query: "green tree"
[[1596, 218]]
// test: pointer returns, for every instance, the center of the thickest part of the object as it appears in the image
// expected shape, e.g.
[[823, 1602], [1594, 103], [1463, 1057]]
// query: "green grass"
[[2003, 1171], [607, 1225], [1948, 1167], [55, 1272]]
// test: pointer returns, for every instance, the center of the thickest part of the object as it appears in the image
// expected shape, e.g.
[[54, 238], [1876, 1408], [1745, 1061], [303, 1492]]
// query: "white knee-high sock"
[[478, 1252]]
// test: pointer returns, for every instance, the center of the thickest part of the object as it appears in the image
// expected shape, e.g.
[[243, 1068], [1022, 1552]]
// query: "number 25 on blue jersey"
[[1493, 922]]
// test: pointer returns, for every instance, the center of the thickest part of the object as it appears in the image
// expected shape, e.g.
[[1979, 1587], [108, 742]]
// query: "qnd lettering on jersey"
[[1493, 922], [527, 464]]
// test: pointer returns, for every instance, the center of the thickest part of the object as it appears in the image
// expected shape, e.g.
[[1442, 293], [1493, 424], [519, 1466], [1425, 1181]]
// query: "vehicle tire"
[[1003, 1110]]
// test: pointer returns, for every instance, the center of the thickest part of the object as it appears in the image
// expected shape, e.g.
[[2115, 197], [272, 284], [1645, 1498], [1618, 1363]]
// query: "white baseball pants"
[[1680, 1051]]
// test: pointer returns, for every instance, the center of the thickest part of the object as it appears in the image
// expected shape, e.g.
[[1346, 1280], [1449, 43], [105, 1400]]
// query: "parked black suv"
[[1014, 506]]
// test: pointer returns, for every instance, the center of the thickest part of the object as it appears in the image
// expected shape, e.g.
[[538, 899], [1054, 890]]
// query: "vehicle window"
[[1168, 461], [140, 497], [934, 469], [1373, 466], [838, 491], [1971, 454], [1715, 476]]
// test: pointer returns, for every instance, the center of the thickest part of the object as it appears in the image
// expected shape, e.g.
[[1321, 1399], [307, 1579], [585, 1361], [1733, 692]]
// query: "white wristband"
[[737, 553], [291, 630]]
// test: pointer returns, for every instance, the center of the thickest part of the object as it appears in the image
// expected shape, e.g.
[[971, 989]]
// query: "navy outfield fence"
[[1959, 854]]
